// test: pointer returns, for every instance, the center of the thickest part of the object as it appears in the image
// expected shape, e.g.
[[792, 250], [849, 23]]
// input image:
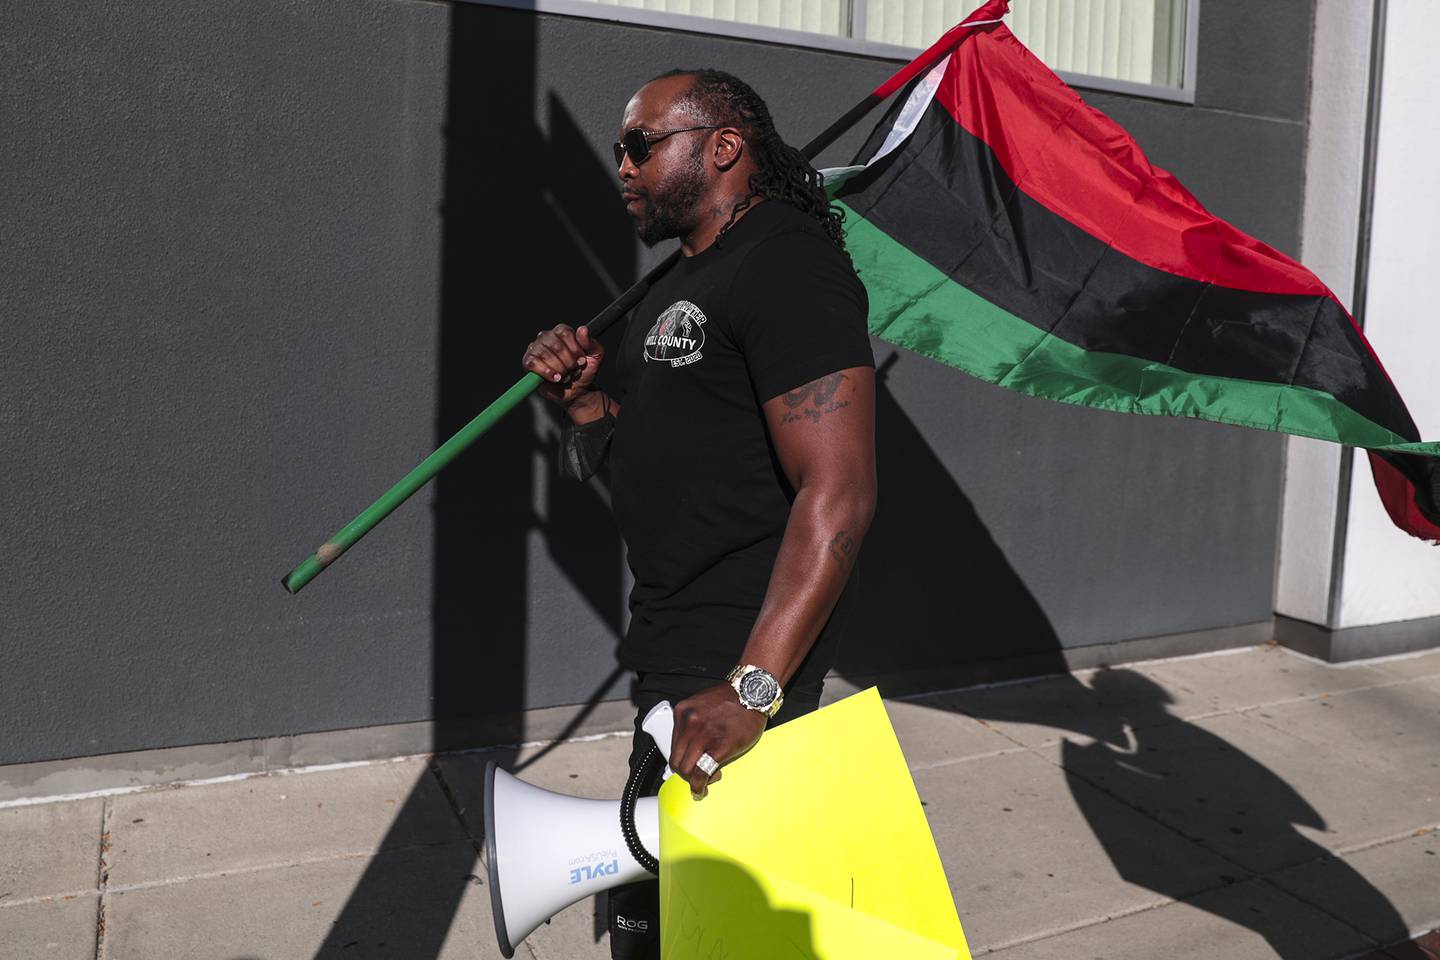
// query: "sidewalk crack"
[[102, 880], [453, 801]]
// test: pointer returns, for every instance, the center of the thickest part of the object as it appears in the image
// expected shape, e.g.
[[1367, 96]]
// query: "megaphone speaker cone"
[[544, 851], [492, 868]]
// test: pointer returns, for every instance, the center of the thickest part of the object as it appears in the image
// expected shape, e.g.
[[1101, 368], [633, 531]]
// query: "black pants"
[[635, 907]]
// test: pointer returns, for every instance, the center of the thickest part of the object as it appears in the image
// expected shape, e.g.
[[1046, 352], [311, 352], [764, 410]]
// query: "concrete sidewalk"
[[1254, 804]]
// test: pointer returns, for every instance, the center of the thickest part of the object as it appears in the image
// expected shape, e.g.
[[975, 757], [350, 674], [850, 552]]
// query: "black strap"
[[640, 780]]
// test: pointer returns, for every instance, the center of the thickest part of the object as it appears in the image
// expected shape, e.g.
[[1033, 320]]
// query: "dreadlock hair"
[[781, 171]]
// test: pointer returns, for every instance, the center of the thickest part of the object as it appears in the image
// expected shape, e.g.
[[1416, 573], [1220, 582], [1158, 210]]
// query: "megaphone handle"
[[660, 724], [639, 777]]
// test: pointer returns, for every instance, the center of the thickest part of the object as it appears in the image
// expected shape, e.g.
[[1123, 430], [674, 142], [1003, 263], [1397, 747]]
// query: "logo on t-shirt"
[[677, 336]]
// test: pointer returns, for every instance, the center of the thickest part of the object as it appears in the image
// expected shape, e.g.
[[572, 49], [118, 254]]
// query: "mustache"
[[631, 190]]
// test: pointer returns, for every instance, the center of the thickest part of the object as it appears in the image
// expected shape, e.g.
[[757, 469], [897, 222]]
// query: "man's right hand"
[[566, 360]]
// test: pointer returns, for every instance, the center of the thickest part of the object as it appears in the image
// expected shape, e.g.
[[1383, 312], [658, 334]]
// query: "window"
[[1144, 47], [827, 17], [1139, 41]]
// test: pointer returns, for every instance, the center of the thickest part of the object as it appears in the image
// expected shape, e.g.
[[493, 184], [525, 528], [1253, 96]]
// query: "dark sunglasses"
[[636, 142]]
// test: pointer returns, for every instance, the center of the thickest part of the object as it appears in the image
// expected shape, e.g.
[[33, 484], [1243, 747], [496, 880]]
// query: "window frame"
[[603, 11]]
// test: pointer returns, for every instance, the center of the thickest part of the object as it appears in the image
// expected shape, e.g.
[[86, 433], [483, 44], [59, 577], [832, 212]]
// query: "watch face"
[[758, 688]]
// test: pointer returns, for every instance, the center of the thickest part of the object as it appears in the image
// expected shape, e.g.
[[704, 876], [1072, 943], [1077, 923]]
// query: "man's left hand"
[[714, 722]]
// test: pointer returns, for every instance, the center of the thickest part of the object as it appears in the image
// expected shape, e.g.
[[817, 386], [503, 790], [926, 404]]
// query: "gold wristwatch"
[[757, 688]]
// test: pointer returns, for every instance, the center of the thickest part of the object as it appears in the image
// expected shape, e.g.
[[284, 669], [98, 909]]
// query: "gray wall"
[[256, 259]]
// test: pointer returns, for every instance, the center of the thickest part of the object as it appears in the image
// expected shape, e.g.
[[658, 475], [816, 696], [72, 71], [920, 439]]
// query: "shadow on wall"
[[509, 188], [933, 583], [506, 183]]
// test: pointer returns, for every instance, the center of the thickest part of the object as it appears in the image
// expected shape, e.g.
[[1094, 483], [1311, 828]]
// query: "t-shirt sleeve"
[[800, 313]]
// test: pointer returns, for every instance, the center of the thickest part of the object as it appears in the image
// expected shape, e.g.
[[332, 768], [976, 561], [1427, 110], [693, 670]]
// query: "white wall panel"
[[1388, 575], [1334, 158]]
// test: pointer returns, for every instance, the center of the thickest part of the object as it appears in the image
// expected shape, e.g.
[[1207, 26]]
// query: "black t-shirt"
[[698, 492]]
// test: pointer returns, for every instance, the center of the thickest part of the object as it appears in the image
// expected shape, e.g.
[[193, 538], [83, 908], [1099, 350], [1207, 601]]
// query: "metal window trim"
[[588, 10], [1192, 47], [1374, 99], [859, 18]]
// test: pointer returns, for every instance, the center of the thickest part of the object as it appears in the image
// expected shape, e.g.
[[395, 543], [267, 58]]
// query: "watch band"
[[765, 680]]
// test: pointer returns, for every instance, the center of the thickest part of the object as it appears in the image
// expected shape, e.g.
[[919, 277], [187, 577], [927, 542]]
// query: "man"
[[740, 438]]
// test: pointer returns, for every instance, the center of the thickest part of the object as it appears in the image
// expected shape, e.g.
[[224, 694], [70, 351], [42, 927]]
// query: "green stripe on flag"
[[916, 306]]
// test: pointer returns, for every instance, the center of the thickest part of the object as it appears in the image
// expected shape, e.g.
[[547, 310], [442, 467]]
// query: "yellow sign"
[[814, 845]]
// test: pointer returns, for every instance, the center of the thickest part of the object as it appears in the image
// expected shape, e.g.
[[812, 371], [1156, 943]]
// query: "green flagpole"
[[349, 534]]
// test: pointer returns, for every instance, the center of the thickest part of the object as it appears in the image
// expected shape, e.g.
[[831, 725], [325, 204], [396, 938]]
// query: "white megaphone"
[[544, 851]]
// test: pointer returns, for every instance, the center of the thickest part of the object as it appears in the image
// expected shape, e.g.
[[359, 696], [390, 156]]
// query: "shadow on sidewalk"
[[1135, 757], [1211, 792]]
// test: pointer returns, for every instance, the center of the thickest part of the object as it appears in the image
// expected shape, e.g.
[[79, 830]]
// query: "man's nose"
[[628, 169]]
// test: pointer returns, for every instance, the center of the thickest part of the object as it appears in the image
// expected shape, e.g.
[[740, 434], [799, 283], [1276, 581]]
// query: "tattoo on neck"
[[724, 207], [842, 548], [814, 400]]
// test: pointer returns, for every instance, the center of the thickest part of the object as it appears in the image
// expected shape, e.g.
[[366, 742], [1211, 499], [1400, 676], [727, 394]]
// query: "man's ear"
[[729, 147]]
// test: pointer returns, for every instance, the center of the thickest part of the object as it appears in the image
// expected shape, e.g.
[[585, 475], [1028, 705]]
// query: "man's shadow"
[[933, 584], [1125, 747]]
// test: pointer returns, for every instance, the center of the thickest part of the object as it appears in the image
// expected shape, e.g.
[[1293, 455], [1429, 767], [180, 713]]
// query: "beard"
[[668, 209]]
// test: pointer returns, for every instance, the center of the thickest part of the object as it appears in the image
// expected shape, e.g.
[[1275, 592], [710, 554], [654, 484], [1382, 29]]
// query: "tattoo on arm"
[[842, 548], [814, 400]]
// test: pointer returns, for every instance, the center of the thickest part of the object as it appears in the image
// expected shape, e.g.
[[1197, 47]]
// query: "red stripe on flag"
[[992, 10], [1397, 494], [1083, 166]]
